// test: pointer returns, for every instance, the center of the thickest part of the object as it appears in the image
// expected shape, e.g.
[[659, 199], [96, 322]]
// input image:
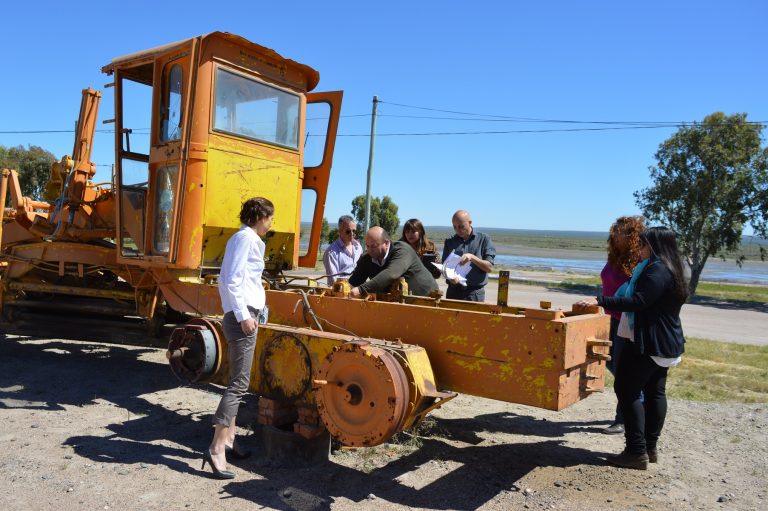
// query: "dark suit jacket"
[[658, 330], [402, 261]]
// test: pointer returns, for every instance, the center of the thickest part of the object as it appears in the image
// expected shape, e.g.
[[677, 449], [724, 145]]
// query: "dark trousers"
[[617, 346], [643, 420], [470, 294]]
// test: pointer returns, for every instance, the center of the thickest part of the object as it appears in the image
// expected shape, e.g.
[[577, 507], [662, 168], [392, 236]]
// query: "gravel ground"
[[95, 426]]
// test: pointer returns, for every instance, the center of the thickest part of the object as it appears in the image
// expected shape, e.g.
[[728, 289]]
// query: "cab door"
[[316, 177], [169, 156], [152, 120]]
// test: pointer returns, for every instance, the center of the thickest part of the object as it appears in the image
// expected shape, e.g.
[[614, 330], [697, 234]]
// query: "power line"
[[542, 120], [136, 131], [442, 133], [28, 132], [605, 125], [629, 123]]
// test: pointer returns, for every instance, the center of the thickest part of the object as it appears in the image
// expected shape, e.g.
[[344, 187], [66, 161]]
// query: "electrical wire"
[[564, 121], [474, 117]]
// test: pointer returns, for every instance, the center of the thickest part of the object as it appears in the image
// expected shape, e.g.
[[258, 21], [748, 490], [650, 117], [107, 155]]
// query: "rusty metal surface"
[[363, 394], [528, 360], [195, 351], [285, 366], [97, 249]]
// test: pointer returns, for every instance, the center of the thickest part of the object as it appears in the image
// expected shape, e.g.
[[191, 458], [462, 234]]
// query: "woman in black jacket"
[[651, 308]]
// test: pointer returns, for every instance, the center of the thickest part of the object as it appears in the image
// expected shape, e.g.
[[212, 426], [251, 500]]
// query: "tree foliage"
[[383, 213], [324, 230], [709, 183], [33, 165]]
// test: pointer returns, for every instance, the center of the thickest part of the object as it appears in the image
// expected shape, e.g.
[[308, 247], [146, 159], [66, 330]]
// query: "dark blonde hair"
[[425, 245], [625, 256], [255, 209]]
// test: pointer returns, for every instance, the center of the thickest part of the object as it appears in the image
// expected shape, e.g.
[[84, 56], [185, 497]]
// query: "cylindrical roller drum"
[[195, 351], [363, 394]]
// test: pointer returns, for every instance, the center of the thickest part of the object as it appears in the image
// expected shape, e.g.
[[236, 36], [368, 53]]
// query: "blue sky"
[[564, 60]]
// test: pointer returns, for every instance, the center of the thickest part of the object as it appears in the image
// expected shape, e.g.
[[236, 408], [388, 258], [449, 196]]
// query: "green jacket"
[[402, 261]]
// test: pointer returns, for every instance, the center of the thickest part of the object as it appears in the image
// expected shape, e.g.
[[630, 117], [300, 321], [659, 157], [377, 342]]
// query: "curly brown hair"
[[624, 243]]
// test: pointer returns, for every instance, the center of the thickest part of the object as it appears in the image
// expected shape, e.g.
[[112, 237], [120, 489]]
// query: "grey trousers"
[[240, 350]]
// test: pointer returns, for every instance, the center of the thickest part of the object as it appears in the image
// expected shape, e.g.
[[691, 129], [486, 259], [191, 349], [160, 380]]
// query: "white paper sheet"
[[451, 268]]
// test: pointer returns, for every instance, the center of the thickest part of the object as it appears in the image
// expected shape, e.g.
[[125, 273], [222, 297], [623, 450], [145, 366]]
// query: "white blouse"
[[240, 277]]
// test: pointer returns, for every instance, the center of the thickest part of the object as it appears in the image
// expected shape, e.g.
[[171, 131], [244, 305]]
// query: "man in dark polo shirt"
[[386, 261], [473, 248]]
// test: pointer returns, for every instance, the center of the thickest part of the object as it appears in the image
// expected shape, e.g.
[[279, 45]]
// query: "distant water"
[[716, 270]]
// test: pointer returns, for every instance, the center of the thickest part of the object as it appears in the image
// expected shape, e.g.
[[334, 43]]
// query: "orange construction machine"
[[228, 121]]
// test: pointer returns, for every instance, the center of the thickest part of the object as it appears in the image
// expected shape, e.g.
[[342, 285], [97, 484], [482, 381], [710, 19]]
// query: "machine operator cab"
[[226, 121]]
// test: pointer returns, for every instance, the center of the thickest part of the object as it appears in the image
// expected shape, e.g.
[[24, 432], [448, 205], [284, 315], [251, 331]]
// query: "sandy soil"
[[93, 426]]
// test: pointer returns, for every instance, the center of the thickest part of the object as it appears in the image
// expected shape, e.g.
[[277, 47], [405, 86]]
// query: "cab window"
[[253, 109], [170, 127]]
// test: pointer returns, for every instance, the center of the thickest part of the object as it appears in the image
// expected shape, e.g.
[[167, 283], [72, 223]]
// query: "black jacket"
[[402, 261], [658, 331]]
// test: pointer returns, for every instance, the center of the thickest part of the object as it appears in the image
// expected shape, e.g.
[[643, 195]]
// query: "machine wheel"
[[194, 351], [286, 368], [363, 394]]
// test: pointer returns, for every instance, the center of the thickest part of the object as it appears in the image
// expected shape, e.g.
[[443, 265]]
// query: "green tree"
[[383, 213], [709, 183], [324, 230], [33, 165]]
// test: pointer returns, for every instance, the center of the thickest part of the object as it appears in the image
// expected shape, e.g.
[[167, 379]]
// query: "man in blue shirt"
[[341, 256], [473, 248]]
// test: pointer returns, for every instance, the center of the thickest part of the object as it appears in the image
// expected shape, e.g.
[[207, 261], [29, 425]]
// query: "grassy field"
[[567, 240], [591, 241], [718, 371], [733, 292], [570, 240], [728, 292]]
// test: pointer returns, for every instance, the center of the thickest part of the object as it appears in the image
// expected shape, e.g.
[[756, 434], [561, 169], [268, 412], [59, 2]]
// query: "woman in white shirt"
[[243, 299]]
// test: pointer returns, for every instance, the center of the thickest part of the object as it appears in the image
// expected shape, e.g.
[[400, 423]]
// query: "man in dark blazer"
[[386, 261]]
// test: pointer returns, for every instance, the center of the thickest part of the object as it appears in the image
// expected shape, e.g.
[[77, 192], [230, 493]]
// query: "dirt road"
[[91, 426], [705, 318], [710, 319]]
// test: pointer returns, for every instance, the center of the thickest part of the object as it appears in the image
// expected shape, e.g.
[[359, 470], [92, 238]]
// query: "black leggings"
[[643, 420]]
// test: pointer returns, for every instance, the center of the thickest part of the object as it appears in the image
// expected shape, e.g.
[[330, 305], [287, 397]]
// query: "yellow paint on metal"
[[455, 339], [473, 365], [233, 177]]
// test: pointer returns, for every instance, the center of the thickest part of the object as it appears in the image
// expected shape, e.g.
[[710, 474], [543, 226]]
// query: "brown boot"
[[628, 460], [653, 455]]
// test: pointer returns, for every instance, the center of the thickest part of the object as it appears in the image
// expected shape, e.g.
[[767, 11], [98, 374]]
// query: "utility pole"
[[370, 165]]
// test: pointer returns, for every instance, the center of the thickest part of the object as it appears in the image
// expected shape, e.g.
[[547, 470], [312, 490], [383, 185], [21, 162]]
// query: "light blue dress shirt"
[[338, 260]]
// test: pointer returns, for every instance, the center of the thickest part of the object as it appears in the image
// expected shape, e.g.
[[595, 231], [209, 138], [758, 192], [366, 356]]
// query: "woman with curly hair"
[[416, 237], [623, 255], [651, 307]]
